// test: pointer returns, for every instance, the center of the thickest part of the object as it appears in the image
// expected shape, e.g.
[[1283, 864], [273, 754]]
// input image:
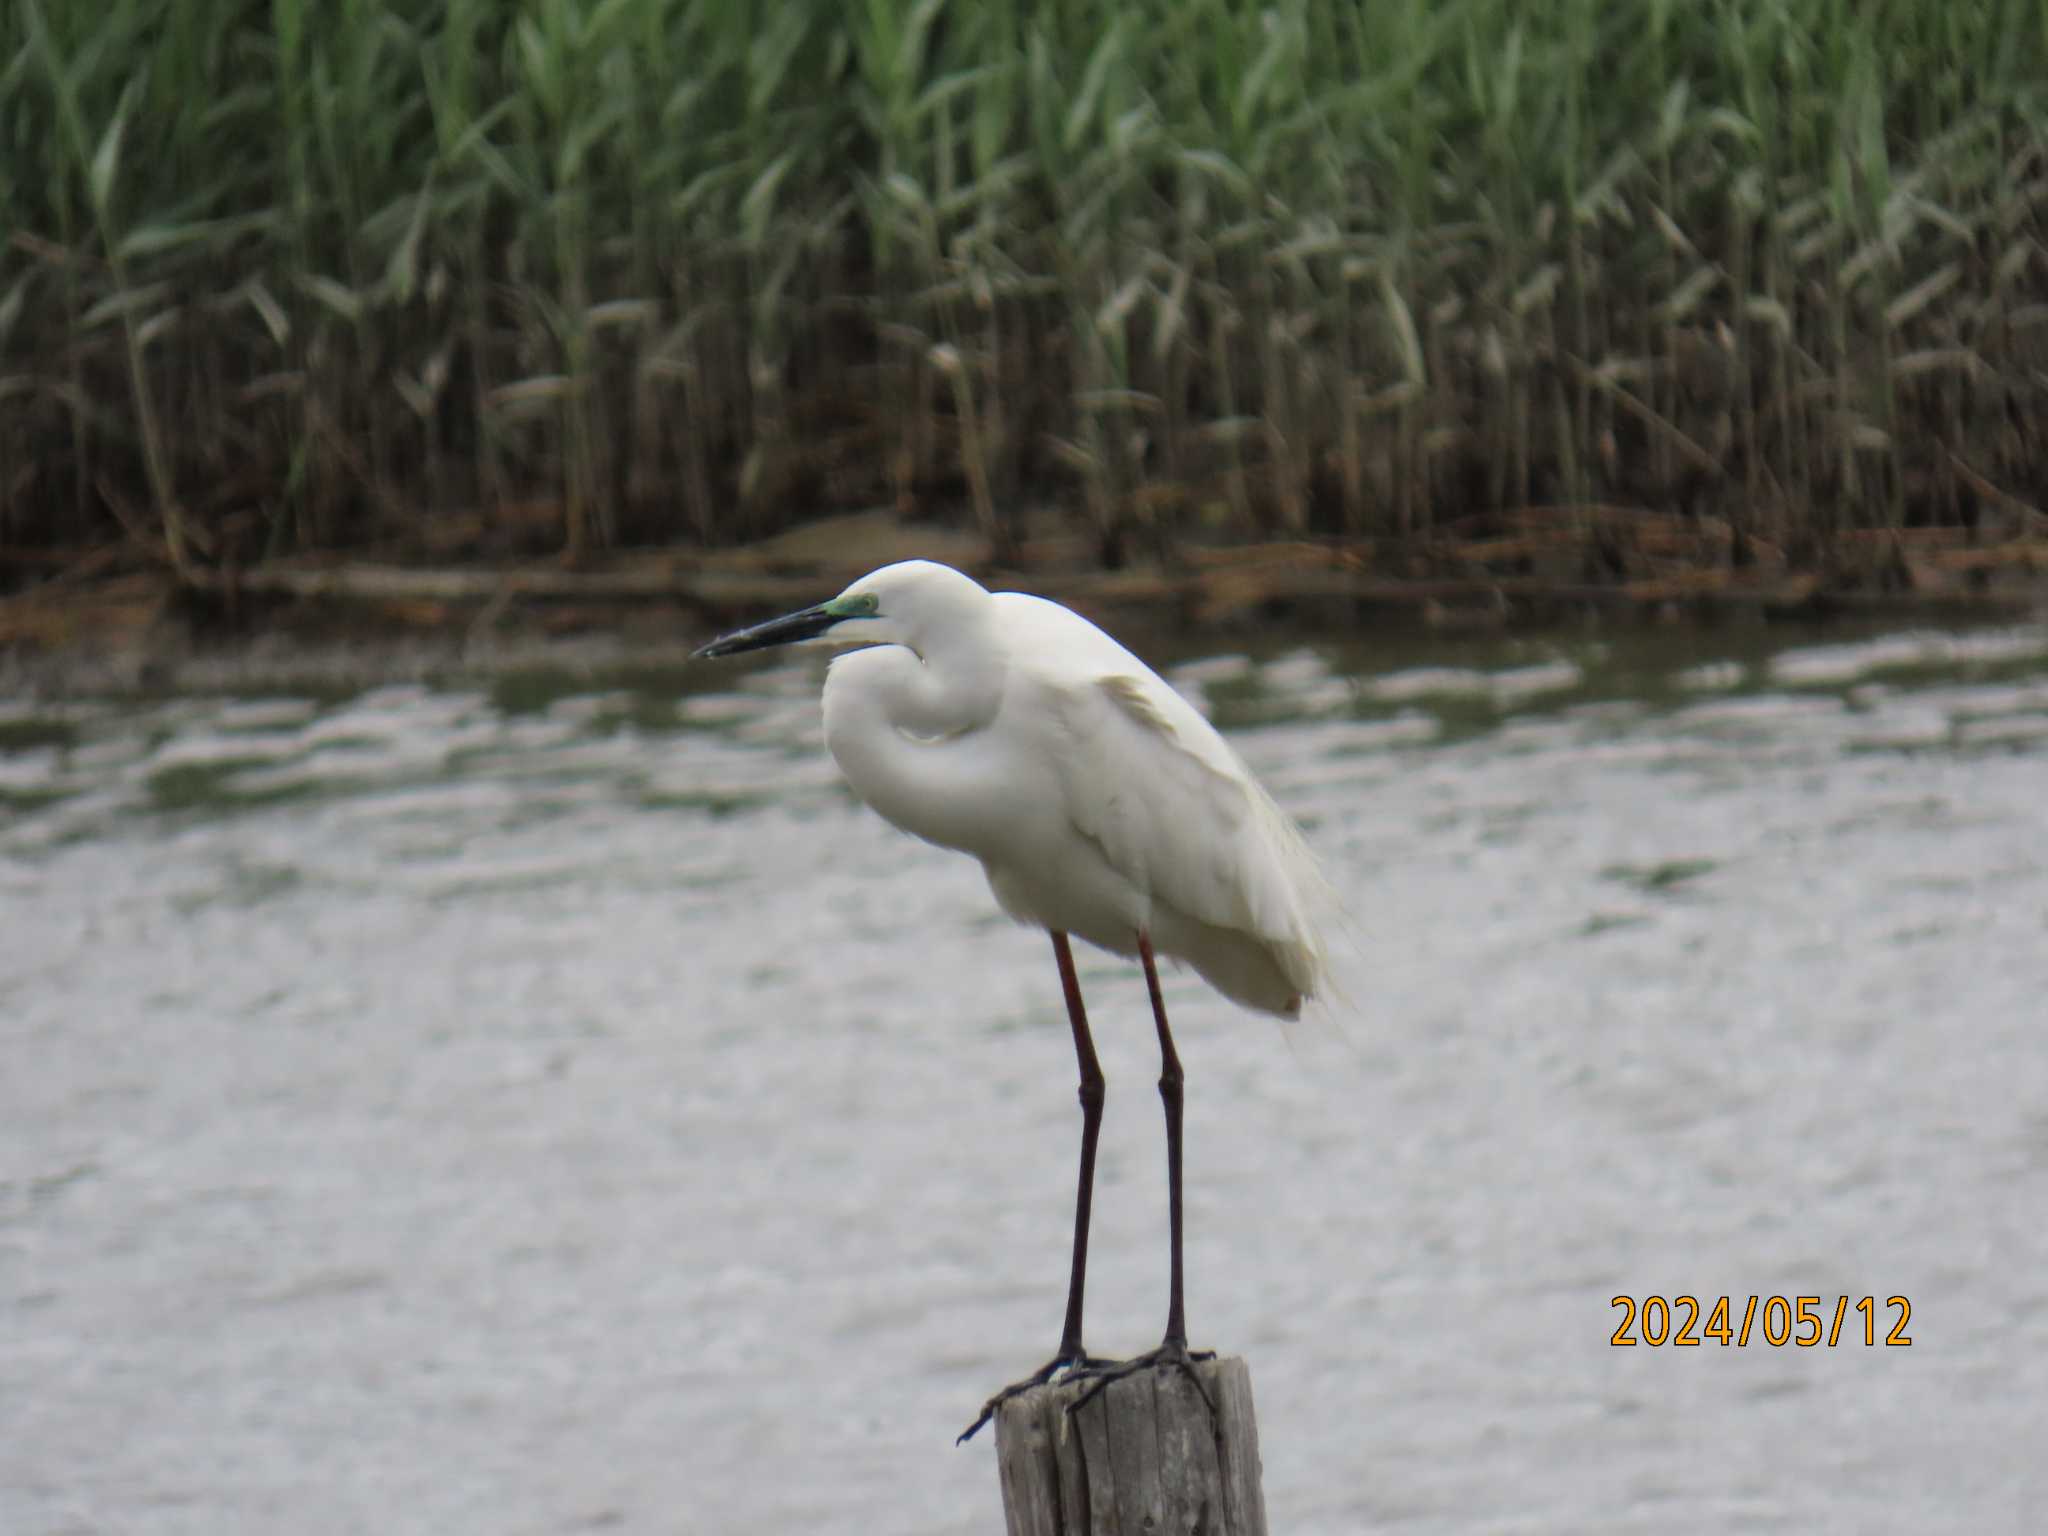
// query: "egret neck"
[[899, 722]]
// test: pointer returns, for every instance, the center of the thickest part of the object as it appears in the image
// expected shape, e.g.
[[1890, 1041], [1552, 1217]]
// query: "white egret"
[[1100, 803]]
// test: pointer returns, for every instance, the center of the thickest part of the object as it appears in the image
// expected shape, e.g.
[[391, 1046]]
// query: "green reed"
[[279, 277]]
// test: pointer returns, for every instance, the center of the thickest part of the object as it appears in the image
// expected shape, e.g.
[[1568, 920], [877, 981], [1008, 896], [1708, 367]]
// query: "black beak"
[[783, 631]]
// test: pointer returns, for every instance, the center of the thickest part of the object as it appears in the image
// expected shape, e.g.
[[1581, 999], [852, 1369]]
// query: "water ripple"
[[411, 1079]]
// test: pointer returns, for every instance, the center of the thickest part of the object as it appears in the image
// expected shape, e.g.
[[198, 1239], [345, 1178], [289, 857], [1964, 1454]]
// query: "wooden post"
[[1146, 1458]]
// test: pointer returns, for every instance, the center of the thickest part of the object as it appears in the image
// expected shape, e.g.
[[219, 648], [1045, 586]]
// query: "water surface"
[[546, 1107]]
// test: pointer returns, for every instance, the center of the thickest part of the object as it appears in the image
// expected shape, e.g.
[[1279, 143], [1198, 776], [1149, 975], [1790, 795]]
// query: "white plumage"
[[1098, 800]]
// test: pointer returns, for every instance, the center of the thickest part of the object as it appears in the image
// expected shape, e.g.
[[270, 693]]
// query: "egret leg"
[[1093, 1090], [1170, 1080], [1173, 1349]]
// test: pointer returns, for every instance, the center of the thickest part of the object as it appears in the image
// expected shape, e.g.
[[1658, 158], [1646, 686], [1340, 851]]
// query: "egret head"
[[902, 604]]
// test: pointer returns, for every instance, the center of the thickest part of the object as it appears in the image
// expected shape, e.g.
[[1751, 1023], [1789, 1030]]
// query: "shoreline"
[[96, 629]]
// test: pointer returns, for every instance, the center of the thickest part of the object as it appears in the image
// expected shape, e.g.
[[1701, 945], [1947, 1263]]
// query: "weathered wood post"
[[1146, 1458]]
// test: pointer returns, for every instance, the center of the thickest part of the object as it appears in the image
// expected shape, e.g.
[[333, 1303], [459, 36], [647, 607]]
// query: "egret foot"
[[1173, 1354], [1038, 1378]]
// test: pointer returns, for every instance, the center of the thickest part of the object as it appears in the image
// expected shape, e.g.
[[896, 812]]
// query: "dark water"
[[526, 1110]]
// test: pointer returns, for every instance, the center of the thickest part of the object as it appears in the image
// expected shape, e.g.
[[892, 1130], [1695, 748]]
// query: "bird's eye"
[[863, 605]]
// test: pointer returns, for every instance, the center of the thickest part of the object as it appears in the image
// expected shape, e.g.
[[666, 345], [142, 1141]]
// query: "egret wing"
[[1150, 782]]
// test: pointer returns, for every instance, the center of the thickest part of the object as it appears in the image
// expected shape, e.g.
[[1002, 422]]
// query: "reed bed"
[[1730, 279]]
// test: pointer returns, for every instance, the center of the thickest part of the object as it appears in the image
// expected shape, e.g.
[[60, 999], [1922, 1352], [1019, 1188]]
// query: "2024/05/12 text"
[[1795, 1320]]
